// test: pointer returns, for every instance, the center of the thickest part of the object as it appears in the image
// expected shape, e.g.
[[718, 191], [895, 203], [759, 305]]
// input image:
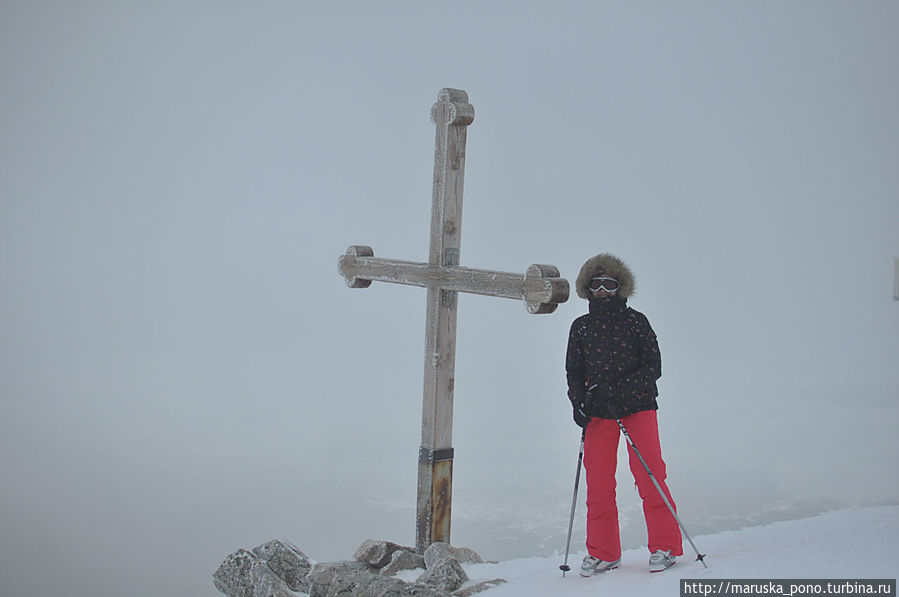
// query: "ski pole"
[[577, 478], [700, 557]]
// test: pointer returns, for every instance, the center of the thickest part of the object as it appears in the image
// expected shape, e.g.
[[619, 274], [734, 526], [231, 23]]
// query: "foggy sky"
[[183, 372]]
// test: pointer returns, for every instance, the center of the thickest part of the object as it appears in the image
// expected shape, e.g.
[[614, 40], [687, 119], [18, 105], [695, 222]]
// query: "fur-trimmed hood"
[[604, 262]]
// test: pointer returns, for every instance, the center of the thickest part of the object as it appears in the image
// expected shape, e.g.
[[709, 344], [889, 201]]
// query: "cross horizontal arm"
[[541, 287]]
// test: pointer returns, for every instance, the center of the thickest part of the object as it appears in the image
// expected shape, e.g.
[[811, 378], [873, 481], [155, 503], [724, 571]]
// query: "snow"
[[845, 544]]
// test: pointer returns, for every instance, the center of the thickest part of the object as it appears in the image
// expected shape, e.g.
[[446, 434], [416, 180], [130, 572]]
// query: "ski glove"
[[580, 414]]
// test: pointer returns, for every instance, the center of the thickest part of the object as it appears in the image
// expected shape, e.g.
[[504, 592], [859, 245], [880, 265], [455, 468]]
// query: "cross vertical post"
[[451, 114]]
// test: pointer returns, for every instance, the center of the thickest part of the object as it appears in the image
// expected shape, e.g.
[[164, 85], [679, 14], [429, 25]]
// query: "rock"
[[267, 584], [287, 562], [366, 583], [377, 553], [481, 586], [403, 559], [233, 578], [445, 574], [441, 551], [280, 569], [352, 584], [323, 574], [467, 556], [243, 574]]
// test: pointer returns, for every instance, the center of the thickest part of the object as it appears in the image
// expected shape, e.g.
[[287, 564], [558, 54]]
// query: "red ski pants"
[[600, 461]]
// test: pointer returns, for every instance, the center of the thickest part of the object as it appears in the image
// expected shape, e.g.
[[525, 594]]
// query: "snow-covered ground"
[[847, 544]]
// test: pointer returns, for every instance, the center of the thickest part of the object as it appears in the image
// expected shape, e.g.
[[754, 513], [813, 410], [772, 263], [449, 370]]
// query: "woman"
[[612, 365]]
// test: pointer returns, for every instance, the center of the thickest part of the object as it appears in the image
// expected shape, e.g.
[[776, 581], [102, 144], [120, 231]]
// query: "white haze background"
[[183, 372]]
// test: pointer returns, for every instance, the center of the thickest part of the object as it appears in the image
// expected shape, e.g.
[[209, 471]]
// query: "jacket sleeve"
[[641, 382], [574, 366]]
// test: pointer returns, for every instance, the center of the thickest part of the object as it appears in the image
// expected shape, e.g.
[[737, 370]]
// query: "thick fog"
[[184, 373]]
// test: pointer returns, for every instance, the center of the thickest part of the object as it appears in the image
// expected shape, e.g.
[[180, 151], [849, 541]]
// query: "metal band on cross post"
[[541, 289]]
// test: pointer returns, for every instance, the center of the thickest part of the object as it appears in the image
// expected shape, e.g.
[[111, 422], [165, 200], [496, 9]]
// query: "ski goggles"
[[604, 283]]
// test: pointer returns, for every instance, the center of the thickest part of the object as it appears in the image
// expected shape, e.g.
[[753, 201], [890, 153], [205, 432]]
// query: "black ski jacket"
[[613, 346]]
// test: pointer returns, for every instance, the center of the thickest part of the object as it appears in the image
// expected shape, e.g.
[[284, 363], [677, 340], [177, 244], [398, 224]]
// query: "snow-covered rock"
[[442, 551], [243, 574], [378, 553], [280, 569], [402, 560], [446, 574], [287, 562]]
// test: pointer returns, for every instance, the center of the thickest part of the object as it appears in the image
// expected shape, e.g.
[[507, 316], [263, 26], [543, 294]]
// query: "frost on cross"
[[541, 289]]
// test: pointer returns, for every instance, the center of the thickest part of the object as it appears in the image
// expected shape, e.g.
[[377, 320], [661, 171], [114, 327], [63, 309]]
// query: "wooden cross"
[[541, 288]]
